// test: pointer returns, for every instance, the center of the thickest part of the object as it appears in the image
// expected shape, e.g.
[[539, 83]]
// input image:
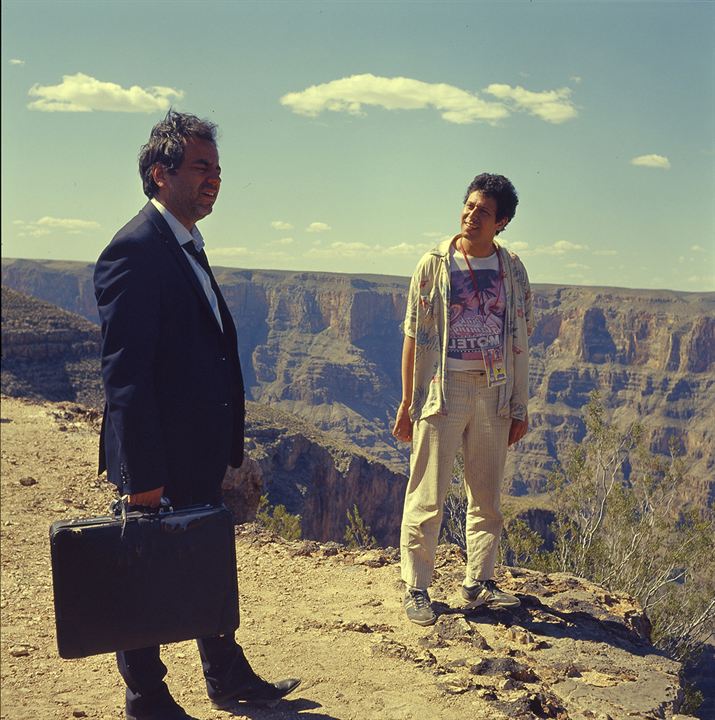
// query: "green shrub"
[[357, 534], [278, 520], [455, 508], [621, 521]]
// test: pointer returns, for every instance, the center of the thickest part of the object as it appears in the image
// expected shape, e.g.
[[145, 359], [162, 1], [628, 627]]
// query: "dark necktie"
[[200, 256]]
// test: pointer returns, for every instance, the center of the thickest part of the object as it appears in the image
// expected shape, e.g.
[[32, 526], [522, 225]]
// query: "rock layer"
[[326, 347], [47, 352], [314, 476]]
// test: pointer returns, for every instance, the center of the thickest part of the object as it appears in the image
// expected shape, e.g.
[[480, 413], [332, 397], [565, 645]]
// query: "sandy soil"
[[332, 617], [296, 611]]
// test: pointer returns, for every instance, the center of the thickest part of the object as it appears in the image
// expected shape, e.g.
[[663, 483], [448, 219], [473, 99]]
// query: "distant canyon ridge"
[[326, 347]]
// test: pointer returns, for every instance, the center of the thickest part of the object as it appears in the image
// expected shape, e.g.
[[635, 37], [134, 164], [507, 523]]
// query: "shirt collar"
[[443, 249], [181, 234]]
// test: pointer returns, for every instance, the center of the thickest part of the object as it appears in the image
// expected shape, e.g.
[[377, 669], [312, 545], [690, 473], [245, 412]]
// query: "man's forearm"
[[402, 429], [408, 368]]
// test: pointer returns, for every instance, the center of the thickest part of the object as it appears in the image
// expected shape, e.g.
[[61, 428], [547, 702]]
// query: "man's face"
[[479, 218], [190, 192]]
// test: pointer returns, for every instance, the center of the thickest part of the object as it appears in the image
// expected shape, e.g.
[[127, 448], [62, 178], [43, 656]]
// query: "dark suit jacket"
[[174, 413]]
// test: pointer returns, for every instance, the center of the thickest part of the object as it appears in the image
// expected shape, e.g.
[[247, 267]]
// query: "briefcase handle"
[[120, 507]]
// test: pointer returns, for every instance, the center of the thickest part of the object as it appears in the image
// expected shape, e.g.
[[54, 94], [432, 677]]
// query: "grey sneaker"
[[486, 592], [418, 607]]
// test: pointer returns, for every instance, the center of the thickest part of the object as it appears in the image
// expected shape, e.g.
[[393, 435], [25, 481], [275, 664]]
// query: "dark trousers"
[[225, 666], [225, 669]]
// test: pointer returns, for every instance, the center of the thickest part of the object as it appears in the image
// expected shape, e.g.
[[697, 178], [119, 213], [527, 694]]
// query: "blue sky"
[[350, 130]]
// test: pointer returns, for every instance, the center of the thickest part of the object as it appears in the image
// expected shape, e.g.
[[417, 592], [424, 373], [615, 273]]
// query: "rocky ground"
[[331, 616]]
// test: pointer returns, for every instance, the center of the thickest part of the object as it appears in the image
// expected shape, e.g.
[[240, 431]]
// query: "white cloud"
[[518, 246], [415, 250], [577, 266], [560, 247], [346, 249], [359, 249], [697, 248], [46, 225], [231, 252], [286, 241], [652, 161], [351, 94], [553, 106], [280, 225], [16, 61], [605, 252], [82, 93], [264, 256], [318, 227], [576, 79]]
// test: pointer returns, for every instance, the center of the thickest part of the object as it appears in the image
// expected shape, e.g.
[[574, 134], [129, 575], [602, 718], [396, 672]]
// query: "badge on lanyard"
[[494, 366]]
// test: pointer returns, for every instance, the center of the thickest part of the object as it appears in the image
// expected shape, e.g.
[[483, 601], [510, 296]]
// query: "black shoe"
[[258, 692]]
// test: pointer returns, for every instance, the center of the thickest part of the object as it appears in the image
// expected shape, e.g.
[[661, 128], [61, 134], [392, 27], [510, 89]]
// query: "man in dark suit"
[[174, 414]]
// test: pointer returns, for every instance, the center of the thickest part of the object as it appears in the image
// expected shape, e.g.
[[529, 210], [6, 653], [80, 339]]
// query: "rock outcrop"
[[315, 475], [48, 353], [326, 346]]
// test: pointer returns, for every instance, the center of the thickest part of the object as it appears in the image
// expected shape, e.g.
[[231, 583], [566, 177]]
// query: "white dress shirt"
[[183, 236]]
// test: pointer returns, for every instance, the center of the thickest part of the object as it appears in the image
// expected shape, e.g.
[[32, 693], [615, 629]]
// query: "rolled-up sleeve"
[[410, 325], [524, 325]]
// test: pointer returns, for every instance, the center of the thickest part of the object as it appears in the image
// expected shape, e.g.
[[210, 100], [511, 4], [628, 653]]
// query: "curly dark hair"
[[499, 188], [166, 144]]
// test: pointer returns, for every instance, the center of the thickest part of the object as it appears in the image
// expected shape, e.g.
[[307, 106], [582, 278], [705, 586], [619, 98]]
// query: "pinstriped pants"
[[473, 423]]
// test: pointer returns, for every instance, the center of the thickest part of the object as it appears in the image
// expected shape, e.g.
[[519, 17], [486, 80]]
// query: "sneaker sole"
[[471, 604], [423, 623], [505, 605]]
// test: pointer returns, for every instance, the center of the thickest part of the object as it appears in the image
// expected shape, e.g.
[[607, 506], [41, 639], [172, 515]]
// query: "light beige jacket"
[[427, 321]]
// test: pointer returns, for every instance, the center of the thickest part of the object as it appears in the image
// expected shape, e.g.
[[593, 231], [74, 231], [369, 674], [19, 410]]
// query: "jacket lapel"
[[174, 249]]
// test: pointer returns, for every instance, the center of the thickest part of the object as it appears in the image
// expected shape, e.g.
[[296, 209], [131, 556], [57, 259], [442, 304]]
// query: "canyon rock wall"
[[326, 347], [52, 354], [48, 353], [315, 475]]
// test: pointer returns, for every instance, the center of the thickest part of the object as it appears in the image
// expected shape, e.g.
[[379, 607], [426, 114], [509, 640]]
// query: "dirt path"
[[296, 611], [332, 617]]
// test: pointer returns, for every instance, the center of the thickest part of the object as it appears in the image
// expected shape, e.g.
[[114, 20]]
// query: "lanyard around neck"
[[474, 277]]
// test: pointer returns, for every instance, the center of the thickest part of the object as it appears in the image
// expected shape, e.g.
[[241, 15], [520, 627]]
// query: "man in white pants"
[[465, 381]]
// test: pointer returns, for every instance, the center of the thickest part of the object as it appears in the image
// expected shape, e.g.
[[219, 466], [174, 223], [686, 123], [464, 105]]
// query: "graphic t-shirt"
[[476, 314]]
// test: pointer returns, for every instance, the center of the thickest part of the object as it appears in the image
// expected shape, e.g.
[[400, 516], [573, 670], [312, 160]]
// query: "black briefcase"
[[141, 579]]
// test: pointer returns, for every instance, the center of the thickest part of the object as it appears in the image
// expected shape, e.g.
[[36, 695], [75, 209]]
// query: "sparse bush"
[[520, 546], [455, 508], [357, 534], [621, 522], [277, 519]]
